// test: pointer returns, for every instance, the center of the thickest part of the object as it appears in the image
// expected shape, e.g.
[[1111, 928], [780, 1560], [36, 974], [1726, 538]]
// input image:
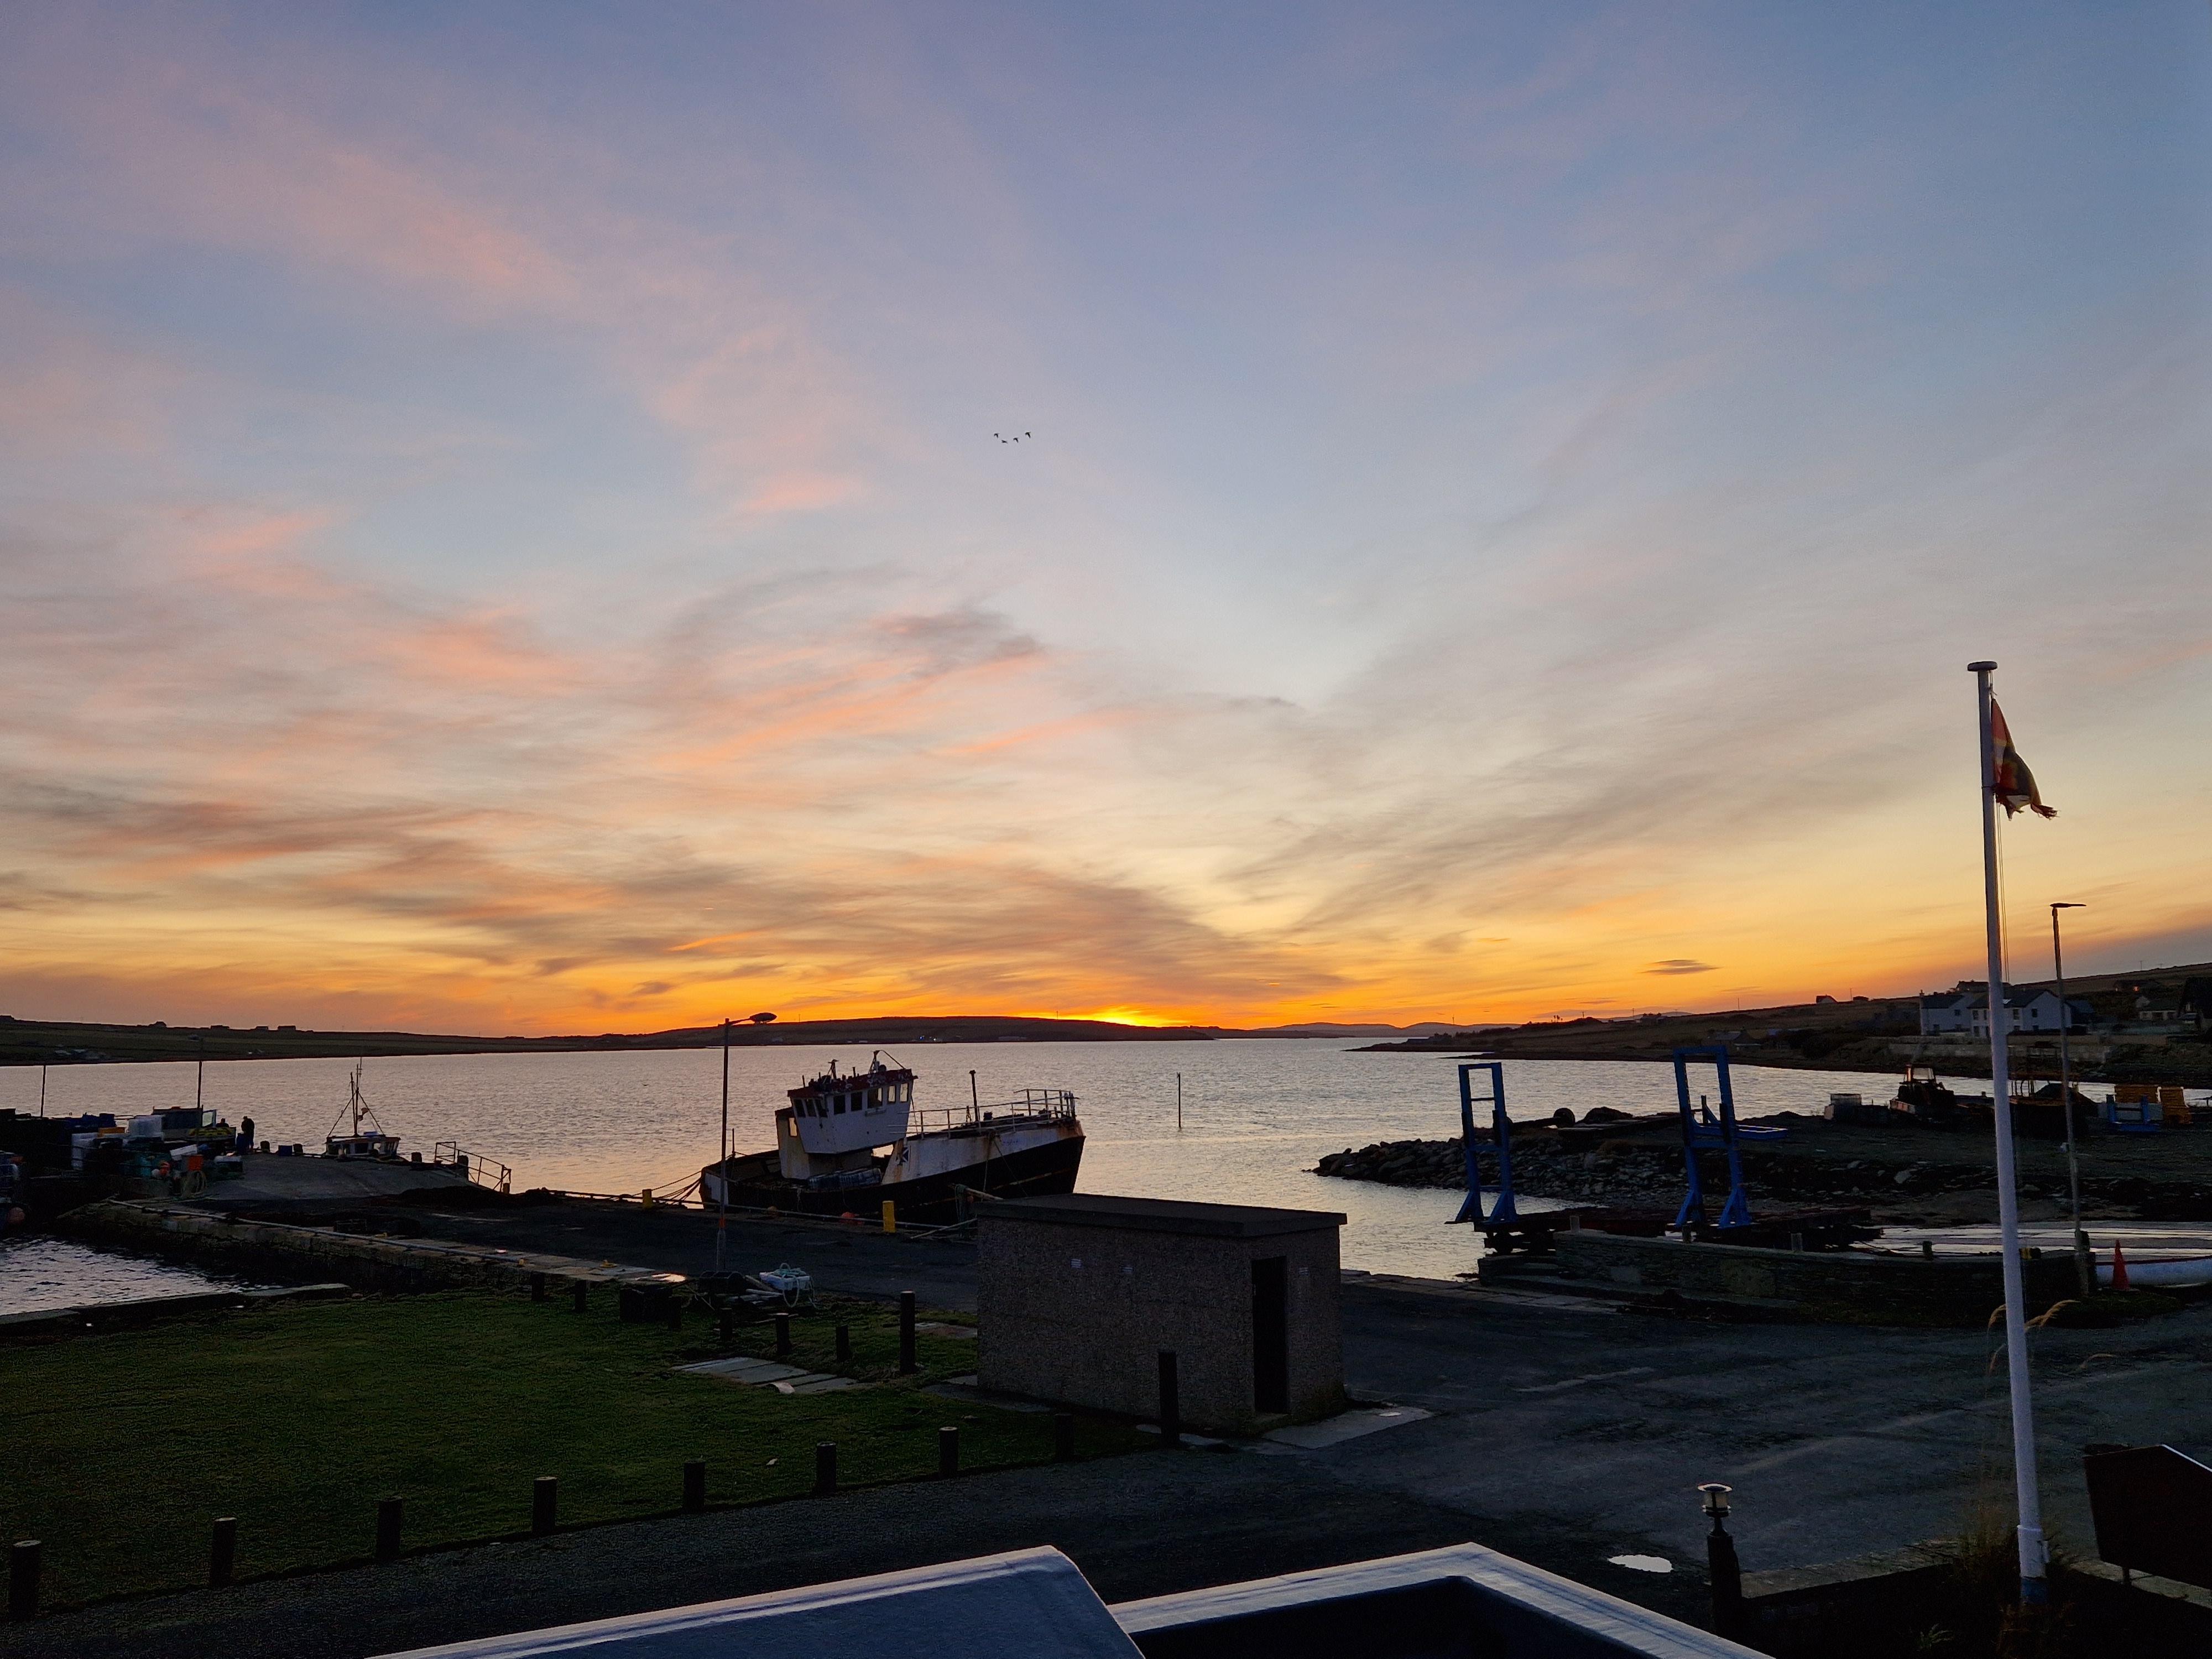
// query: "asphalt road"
[[850, 1258], [1840, 1440]]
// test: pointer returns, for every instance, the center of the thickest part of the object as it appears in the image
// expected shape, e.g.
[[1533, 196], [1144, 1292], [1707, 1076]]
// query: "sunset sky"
[[503, 528]]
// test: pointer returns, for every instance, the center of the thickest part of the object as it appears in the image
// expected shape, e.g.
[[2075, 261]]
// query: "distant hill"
[[37, 1042], [1805, 1033], [1329, 1028]]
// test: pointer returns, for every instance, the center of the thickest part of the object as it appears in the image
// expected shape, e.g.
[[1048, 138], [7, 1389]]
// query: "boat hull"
[[1030, 1171]]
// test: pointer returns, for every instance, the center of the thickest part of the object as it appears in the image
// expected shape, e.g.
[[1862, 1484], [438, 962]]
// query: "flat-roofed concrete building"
[[1079, 1295]]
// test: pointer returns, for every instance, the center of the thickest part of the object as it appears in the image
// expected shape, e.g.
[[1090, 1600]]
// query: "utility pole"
[[2084, 1271], [1178, 1102], [199, 1068]]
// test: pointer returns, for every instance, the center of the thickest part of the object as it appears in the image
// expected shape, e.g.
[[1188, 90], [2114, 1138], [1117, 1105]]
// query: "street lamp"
[[2084, 1273]]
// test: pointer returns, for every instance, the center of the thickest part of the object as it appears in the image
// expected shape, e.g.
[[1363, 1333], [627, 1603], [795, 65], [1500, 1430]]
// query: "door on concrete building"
[[1270, 1334]]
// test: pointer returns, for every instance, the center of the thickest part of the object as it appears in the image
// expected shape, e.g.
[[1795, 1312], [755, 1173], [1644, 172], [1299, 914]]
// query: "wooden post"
[[675, 1310], [782, 1335], [1170, 1401], [726, 1329], [24, 1578], [1063, 1436], [544, 1504], [825, 1468], [389, 1511], [695, 1484], [948, 1451], [907, 1366], [579, 1292], [538, 1287], [222, 1553], [844, 1345]]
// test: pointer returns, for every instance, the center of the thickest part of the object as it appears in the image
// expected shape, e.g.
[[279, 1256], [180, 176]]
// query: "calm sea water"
[[1257, 1113], [38, 1274]]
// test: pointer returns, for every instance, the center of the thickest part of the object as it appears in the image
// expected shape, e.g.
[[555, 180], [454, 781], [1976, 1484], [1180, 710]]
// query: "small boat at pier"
[[853, 1141]]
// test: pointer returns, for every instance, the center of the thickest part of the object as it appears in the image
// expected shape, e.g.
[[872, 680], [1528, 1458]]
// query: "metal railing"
[[481, 1172], [1031, 1104]]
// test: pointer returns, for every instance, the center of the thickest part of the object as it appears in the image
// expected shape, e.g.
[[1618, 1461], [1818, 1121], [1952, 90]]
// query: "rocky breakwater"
[[1642, 1163], [1545, 1165]]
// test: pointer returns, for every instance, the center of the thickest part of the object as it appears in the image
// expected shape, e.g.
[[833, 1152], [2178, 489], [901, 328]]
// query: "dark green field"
[[117, 1451]]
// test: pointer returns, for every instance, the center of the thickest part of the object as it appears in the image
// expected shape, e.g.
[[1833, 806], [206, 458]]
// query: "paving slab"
[[768, 1373], [744, 1369], [1344, 1426]]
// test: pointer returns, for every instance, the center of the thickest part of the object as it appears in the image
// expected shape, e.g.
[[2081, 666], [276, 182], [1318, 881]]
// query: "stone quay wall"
[[269, 1249], [1959, 1287]]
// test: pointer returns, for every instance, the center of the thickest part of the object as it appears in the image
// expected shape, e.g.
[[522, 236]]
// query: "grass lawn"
[[117, 1451]]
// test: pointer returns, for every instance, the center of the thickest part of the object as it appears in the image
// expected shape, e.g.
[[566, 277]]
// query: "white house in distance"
[[1965, 1010]]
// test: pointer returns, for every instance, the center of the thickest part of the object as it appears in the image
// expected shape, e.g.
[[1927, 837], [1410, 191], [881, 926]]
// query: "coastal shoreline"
[[1911, 1176]]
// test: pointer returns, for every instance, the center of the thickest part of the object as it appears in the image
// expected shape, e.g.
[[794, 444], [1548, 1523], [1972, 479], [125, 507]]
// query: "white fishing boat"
[[849, 1141]]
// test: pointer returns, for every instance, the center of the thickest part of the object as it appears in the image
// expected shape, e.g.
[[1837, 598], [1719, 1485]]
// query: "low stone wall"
[[151, 1309], [267, 1249], [1849, 1606], [1962, 1288]]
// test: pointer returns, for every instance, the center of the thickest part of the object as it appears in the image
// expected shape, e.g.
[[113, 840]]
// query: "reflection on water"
[[1257, 1113], [38, 1274]]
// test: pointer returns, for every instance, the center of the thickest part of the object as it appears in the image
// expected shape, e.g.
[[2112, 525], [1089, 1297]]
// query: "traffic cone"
[[2119, 1268]]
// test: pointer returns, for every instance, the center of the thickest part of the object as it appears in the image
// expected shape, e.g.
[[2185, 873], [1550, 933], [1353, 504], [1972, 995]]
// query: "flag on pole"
[[2011, 782]]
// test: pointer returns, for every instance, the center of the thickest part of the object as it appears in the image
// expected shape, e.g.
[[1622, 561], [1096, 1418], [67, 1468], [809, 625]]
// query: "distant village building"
[[1944, 1012], [2024, 1010], [2197, 999], [2159, 1009], [2028, 1008]]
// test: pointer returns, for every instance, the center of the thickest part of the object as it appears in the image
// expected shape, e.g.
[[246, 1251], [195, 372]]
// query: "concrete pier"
[[270, 1181]]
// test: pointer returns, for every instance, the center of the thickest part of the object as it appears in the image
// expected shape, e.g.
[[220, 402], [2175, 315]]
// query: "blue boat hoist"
[[1703, 1131], [1500, 1220], [1502, 1213]]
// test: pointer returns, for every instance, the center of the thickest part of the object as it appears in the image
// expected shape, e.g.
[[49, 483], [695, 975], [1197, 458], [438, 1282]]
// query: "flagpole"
[[722, 1155], [2032, 1586]]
